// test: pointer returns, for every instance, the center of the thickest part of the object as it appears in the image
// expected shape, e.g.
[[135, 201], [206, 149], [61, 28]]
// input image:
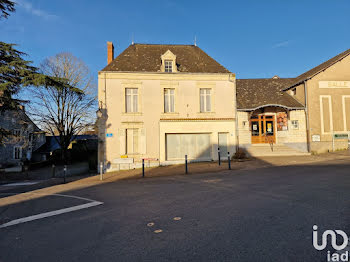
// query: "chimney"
[[110, 52]]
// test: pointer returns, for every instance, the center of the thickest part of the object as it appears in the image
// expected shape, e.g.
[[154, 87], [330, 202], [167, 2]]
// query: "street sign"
[[341, 136], [109, 135], [316, 138]]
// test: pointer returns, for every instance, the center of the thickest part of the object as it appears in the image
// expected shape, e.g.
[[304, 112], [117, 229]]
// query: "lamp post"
[[99, 115]]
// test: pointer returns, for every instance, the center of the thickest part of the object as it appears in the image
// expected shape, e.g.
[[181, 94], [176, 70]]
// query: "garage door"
[[195, 146]]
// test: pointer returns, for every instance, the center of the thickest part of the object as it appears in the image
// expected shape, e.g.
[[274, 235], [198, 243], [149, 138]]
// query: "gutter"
[[272, 105]]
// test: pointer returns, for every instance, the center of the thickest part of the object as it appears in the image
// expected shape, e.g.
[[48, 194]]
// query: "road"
[[265, 214]]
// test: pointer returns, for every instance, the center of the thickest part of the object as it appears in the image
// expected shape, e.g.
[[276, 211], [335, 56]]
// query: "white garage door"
[[195, 146]]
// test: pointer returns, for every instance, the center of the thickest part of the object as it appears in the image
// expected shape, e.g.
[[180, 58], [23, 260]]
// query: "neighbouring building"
[[162, 102], [309, 113], [24, 139], [325, 93], [270, 121]]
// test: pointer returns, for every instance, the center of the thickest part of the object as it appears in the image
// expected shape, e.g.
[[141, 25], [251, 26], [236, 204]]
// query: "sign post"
[[64, 173], [219, 156], [229, 160], [101, 171]]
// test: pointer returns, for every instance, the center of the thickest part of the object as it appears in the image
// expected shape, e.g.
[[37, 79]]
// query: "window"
[[168, 66], [131, 100], [17, 152], [205, 100], [294, 91], [132, 141], [16, 132], [169, 100], [295, 124]]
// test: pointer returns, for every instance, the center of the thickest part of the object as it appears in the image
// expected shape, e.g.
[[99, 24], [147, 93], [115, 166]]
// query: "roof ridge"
[[321, 67], [162, 44]]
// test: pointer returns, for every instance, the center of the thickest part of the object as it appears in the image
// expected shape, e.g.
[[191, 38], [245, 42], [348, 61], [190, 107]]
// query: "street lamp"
[[99, 113]]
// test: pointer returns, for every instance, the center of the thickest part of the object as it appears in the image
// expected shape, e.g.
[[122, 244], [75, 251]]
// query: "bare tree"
[[65, 112]]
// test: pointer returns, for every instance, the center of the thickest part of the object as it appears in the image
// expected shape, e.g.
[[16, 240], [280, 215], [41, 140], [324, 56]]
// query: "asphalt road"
[[248, 215]]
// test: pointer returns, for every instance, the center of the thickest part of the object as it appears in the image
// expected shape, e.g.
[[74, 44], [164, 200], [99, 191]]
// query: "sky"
[[253, 39]]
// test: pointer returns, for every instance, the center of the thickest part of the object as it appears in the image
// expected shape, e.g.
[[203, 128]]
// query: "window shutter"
[[122, 141], [143, 141]]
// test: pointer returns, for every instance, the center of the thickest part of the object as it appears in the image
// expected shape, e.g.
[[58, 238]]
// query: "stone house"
[[25, 137], [162, 102]]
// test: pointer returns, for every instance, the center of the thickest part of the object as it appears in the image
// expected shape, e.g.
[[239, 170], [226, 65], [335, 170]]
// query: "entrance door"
[[223, 143], [263, 129]]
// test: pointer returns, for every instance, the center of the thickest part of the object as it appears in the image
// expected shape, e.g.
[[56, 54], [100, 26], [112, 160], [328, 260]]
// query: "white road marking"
[[21, 184], [151, 224], [177, 218], [158, 231], [49, 214]]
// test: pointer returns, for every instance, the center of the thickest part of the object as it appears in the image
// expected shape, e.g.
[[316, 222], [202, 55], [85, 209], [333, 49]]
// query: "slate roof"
[[314, 71], [255, 93], [147, 58]]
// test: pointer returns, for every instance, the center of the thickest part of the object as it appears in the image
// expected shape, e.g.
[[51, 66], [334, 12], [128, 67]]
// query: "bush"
[[240, 154]]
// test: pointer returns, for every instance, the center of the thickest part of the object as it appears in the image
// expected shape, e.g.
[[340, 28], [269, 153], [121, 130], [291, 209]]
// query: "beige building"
[[325, 93], [162, 102]]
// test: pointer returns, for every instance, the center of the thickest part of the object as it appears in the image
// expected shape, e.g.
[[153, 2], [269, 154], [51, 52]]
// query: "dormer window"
[[168, 62], [168, 66]]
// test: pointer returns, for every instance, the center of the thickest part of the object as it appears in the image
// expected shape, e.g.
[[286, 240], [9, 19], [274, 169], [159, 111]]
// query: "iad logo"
[[333, 237]]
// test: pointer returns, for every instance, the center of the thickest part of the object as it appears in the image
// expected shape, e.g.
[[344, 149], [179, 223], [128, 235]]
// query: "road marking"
[[51, 213], [21, 184], [158, 231], [151, 224], [177, 218]]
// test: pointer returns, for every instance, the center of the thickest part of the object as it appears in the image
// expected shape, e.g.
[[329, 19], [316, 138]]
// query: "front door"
[[263, 129]]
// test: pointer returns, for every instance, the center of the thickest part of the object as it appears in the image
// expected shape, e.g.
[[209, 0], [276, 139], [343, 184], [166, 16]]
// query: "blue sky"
[[254, 39]]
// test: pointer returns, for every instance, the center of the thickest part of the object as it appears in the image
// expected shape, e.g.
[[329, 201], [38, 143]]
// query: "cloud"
[[281, 44], [35, 11]]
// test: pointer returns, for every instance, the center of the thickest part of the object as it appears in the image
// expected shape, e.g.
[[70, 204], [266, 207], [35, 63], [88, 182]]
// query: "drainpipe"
[[236, 112], [307, 118]]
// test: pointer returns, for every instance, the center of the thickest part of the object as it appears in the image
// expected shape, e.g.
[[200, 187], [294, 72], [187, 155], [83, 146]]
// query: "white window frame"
[[295, 124], [15, 148], [168, 66], [133, 100], [205, 108], [169, 100], [135, 134]]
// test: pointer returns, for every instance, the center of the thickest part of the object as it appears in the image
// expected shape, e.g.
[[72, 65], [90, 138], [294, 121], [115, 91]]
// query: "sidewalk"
[[55, 186]]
